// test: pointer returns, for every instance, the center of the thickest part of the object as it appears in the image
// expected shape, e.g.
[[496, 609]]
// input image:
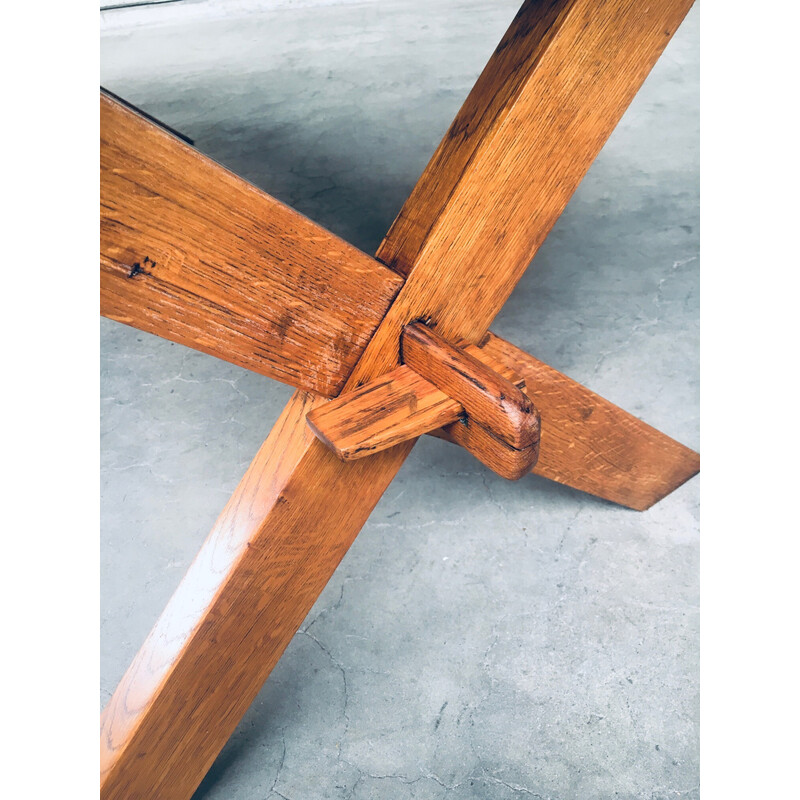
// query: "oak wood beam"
[[590, 444], [191, 252], [549, 97], [274, 547]]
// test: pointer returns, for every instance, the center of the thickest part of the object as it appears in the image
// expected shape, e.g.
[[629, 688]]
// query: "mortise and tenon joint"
[[478, 401]]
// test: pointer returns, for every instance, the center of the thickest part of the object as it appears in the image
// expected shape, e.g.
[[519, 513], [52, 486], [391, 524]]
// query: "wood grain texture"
[[490, 399], [298, 508], [273, 549], [548, 99], [195, 254], [506, 461], [127, 104], [590, 444], [394, 408]]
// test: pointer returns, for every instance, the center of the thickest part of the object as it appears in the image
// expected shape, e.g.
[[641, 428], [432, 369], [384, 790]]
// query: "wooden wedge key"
[[439, 384], [380, 349], [493, 401]]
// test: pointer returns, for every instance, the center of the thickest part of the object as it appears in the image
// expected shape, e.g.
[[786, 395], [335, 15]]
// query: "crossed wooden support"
[[193, 253]]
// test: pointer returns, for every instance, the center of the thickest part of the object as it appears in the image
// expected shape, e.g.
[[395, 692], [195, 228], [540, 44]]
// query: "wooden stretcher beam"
[[584, 441], [191, 252], [590, 444]]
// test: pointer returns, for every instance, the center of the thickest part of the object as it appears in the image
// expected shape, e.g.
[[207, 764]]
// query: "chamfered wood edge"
[[523, 44], [149, 117]]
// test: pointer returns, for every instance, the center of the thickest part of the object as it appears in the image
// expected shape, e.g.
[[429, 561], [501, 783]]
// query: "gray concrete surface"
[[481, 639]]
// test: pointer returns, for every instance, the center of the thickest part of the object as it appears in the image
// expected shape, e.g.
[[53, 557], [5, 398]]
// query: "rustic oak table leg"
[[273, 549], [539, 114]]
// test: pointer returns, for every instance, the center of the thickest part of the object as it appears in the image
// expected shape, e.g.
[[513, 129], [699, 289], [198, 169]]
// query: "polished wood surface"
[[591, 444], [489, 399], [195, 254]]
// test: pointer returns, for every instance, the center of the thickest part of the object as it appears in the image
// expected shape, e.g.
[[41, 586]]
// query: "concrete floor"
[[481, 639]]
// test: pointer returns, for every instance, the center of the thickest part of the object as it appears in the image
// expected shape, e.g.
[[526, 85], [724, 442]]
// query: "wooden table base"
[[193, 253]]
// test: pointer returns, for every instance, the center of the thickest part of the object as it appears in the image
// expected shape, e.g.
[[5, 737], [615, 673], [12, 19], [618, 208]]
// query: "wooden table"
[[193, 253]]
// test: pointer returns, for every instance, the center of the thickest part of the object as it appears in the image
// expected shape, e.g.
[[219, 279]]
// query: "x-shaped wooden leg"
[[194, 254]]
